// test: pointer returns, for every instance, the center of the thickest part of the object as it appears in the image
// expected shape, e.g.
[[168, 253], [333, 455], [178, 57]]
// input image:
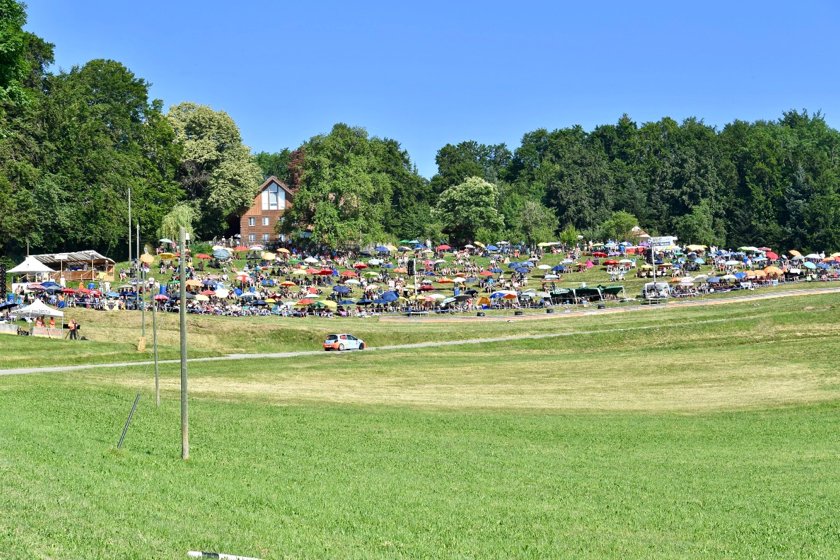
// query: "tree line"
[[774, 183], [73, 143]]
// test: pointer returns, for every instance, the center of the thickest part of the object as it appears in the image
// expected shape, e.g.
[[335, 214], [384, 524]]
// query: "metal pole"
[[154, 344], [137, 273], [141, 276], [129, 225], [653, 262], [127, 422], [185, 427], [143, 302]]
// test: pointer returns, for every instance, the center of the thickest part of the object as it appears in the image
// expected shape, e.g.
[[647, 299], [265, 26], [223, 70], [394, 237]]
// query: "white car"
[[343, 342]]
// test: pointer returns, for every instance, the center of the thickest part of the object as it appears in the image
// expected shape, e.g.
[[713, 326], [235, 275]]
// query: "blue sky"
[[431, 73]]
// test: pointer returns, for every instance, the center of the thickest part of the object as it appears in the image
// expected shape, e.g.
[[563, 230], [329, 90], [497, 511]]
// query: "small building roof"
[[280, 183], [55, 259]]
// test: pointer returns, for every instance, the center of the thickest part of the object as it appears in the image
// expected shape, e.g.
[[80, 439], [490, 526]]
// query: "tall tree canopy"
[[468, 211], [274, 164], [13, 42], [216, 170], [470, 159], [355, 189]]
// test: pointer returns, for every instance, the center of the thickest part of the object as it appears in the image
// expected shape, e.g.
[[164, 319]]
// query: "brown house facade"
[[257, 224]]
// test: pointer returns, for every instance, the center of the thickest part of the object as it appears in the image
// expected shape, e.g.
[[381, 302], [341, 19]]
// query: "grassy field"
[[660, 432], [116, 334]]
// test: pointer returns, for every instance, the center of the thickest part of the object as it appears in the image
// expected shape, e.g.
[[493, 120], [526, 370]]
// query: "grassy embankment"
[[113, 336], [117, 333], [697, 436]]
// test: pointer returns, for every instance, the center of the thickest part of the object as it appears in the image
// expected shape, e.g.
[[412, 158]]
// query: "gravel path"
[[229, 357]]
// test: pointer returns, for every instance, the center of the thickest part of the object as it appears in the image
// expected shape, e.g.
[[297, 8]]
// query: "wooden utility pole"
[[141, 276], [129, 225], [185, 425], [154, 344]]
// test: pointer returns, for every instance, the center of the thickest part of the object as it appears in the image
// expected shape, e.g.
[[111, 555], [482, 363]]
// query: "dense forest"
[[73, 143]]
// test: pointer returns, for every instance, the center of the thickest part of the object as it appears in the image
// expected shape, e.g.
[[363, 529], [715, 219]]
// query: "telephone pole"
[[141, 275], [154, 344], [129, 225], [185, 425]]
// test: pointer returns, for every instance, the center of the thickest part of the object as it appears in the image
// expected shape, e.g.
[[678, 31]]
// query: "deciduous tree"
[[464, 209], [217, 170]]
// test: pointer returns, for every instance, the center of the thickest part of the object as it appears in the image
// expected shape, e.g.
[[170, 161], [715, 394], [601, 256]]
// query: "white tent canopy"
[[30, 265], [37, 309]]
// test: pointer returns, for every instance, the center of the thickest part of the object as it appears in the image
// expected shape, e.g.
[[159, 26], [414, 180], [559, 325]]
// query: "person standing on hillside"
[[73, 327]]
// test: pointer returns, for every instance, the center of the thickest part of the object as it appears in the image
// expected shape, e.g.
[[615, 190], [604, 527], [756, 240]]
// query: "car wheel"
[[362, 346], [341, 347]]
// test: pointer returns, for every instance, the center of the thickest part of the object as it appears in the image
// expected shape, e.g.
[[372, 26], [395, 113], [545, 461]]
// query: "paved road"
[[280, 355]]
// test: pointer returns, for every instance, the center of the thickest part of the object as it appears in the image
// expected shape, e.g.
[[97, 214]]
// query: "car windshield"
[[332, 337]]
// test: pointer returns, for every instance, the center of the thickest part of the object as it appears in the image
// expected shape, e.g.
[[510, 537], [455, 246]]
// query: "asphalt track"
[[280, 355]]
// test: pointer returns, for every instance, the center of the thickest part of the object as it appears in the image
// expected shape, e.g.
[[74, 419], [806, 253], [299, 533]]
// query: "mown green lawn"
[[711, 431], [275, 481]]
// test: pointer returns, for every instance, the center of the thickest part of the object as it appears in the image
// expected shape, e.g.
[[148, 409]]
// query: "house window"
[[265, 237], [252, 237], [252, 222], [265, 220], [273, 197]]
